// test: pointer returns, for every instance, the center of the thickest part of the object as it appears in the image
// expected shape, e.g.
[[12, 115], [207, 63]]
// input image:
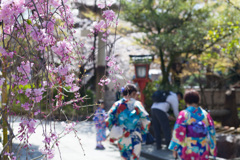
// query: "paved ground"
[[69, 146], [150, 152], [70, 149]]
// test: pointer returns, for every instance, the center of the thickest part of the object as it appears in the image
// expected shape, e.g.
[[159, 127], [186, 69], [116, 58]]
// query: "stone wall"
[[215, 99], [223, 105]]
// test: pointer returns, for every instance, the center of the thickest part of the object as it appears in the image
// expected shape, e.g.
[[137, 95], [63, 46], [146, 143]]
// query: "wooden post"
[[101, 62]]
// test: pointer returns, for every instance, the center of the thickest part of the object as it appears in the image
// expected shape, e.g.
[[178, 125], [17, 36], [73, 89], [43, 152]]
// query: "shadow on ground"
[[26, 153]]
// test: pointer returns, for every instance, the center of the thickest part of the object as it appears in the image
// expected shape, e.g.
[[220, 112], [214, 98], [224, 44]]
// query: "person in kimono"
[[194, 134], [128, 121], [99, 120]]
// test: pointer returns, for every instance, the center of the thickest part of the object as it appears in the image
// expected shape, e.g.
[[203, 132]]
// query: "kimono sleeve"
[[104, 114], [95, 117], [112, 116], [212, 136], [179, 132], [144, 117]]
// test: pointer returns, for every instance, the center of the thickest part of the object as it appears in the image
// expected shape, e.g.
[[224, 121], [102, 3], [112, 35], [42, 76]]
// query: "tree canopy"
[[177, 28]]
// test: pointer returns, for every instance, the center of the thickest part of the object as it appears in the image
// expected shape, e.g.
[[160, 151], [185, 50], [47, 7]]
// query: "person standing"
[[128, 121], [99, 120], [194, 133], [160, 117]]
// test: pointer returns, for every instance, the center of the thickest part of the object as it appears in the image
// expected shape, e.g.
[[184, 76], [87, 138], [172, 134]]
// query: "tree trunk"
[[165, 72], [4, 110], [101, 63]]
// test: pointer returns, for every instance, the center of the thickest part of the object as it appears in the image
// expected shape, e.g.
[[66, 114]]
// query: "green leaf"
[[29, 21]]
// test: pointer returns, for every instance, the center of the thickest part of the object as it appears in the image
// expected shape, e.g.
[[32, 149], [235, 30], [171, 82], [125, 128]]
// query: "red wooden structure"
[[141, 63]]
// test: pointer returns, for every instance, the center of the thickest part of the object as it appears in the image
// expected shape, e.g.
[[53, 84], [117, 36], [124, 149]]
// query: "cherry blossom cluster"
[[114, 69], [37, 53], [68, 127], [27, 127], [10, 155], [35, 23], [109, 20], [36, 45], [9, 12], [50, 141]]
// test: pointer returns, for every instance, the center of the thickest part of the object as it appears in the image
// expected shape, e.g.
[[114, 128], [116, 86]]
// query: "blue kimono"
[[99, 120], [131, 116]]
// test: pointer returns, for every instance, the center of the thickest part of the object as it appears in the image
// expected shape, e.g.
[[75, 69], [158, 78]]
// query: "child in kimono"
[[194, 133], [128, 121], [99, 120]]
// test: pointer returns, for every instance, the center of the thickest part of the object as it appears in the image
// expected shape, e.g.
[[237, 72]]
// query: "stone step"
[[150, 152]]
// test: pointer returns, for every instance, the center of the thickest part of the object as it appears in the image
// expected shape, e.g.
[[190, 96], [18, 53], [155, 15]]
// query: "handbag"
[[149, 138]]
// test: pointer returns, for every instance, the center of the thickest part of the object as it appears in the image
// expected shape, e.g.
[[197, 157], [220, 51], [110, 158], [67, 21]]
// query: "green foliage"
[[221, 56], [148, 91], [181, 29], [171, 28], [88, 105], [29, 21]]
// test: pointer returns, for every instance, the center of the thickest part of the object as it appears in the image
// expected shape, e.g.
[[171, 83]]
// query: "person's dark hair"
[[100, 101], [180, 94], [191, 96], [128, 89]]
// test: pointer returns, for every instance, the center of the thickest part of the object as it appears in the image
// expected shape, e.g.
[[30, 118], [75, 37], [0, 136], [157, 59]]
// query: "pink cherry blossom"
[[107, 58], [69, 79], [37, 112], [20, 91], [44, 56], [62, 48], [37, 94], [104, 40], [44, 83], [107, 81], [26, 106], [68, 127], [48, 152], [28, 92], [74, 88], [63, 70], [116, 68], [101, 84], [102, 5], [10, 155], [25, 68], [100, 26], [109, 15], [111, 63]]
